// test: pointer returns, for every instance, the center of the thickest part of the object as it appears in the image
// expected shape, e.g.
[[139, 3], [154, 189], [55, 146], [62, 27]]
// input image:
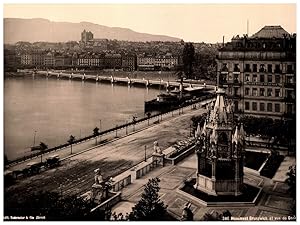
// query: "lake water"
[[55, 109]]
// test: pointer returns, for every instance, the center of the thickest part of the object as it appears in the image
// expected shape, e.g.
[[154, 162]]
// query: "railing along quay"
[[111, 130]]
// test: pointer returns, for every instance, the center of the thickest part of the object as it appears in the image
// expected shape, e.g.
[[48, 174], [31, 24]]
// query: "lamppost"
[[134, 121], [148, 115], [100, 130], [34, 138], [145, 153], [71, 141]]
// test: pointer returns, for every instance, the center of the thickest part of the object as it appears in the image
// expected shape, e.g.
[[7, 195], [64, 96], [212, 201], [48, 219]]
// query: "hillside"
[[33, 30]]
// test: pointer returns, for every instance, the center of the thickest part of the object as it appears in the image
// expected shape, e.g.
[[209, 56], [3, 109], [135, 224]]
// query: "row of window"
[[270, 68], [262, 78], [263, 107], [262, 92], [264, 68]]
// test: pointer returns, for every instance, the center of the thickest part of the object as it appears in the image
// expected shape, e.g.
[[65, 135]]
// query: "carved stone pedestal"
[[158, 158]]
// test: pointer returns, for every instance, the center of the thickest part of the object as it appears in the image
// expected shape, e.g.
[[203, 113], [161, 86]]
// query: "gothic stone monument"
[[220, 150]]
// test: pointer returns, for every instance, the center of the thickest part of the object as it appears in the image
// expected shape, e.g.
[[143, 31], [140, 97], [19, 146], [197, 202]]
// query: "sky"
[[190, 22]]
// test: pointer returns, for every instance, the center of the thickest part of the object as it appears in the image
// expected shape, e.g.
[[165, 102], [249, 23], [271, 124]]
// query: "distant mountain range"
[[34, 30]]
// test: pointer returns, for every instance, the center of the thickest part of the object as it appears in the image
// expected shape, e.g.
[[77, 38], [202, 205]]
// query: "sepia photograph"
[[149, 112]]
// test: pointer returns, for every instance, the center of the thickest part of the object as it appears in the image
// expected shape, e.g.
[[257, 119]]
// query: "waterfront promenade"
[[75, 175]]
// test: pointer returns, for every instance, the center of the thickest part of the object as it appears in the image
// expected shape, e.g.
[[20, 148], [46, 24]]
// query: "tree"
[[150, 207], [53, 206], [198, 119], [96, 133], [291, 181], [43, 146], [188, 57], [71, 141]]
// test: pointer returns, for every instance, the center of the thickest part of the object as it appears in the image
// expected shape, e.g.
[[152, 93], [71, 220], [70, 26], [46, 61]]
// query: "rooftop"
[[271, 32]]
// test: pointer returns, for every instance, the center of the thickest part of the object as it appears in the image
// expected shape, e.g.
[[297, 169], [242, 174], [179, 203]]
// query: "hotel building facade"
[[259, 73]]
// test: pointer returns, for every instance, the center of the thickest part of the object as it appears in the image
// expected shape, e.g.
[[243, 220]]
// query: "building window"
[[236, 90], [289, 108], [262, 92], [262, 68], [247, 77], [254, 91], [277, 79], [277, 68], [254, 67], [277, 92], [270, 68], [269, 78], [262, 106], [224, 67], [247, 90], [247, 106], [236, 68], [269, 92], [236, 106], [269, 107], [289, 69], [289, 79], [254, 106], [236, 78], [290, 94], [247, 68], [254, 78], [277, 107], [262, 78]]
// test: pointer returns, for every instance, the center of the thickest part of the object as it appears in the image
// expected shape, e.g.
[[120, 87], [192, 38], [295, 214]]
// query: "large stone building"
[[259, 72], [220, 151], [86, 36], [113, 61], [91, 60], [26, 59], [129, 62], [159, 62], [49, 60]]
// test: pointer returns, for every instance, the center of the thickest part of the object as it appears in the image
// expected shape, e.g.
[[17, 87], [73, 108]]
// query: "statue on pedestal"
[[156, 148], [97, 188]]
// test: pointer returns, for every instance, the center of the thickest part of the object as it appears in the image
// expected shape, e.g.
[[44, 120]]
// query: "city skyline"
[[165, 19]]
